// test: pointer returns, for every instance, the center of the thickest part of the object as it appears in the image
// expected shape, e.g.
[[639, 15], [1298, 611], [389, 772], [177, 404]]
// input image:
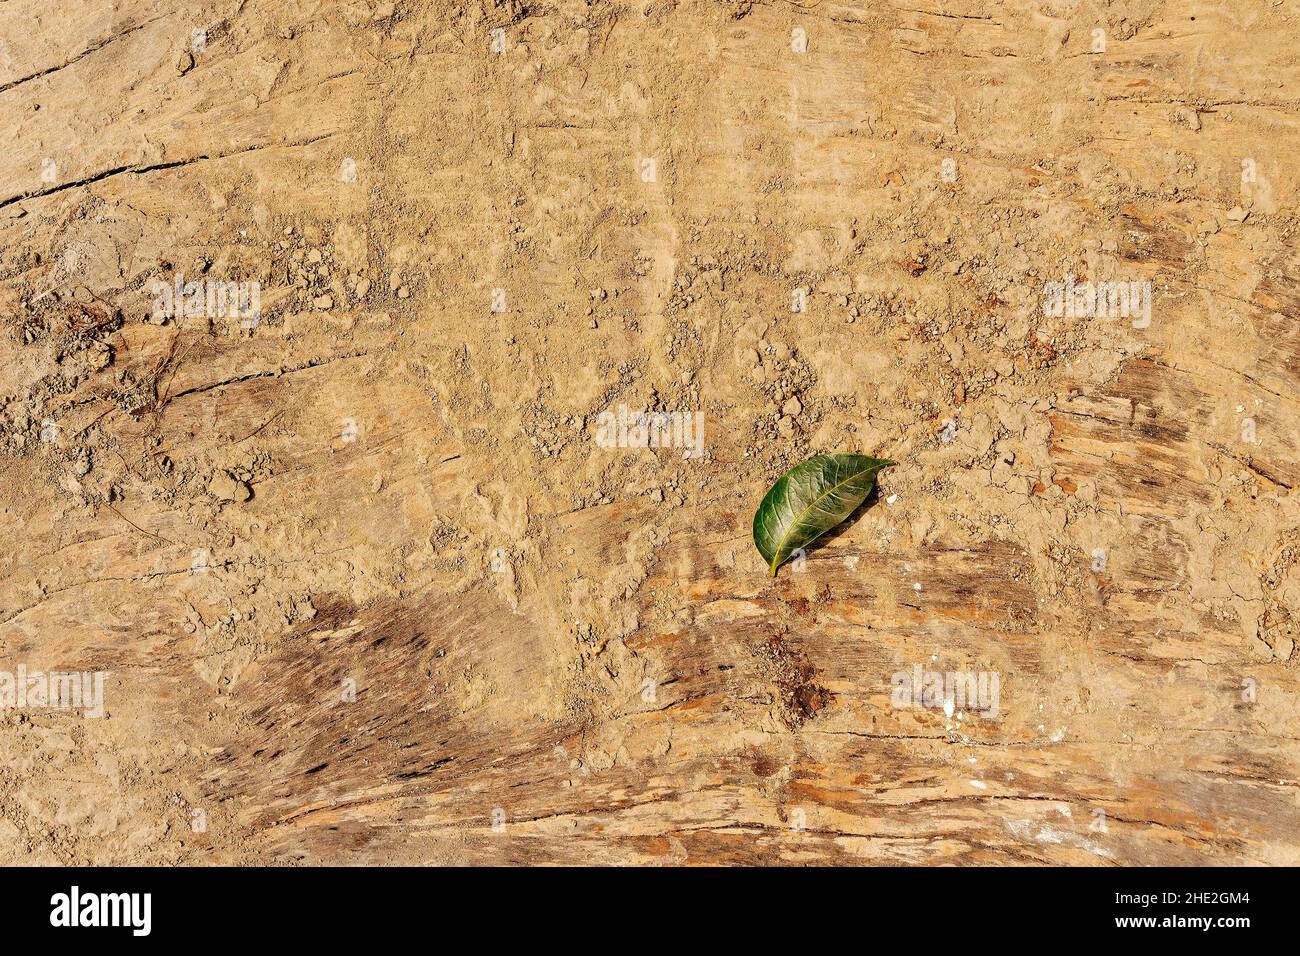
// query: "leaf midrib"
[[812, 504]]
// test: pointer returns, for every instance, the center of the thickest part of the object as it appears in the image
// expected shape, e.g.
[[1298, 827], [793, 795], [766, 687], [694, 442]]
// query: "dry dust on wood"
[[328, 326]]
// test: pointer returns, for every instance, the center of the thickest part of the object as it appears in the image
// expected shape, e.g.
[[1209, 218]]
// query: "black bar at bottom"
[[336, 906]]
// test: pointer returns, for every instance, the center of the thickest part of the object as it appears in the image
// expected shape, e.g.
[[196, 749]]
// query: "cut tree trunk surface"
[[367, 588]]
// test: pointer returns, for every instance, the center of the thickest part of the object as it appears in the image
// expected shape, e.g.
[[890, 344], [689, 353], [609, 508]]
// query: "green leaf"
[[809, 500]]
